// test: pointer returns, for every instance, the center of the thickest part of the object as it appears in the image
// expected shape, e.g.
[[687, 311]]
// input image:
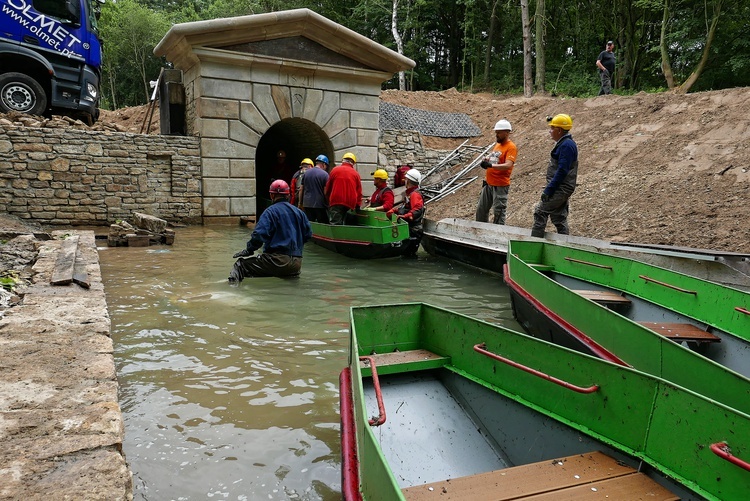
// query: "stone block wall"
[[84, 178], [400, 147]]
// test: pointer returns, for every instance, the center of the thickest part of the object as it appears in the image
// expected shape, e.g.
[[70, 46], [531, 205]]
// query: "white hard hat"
[[503, 125], [414, 175]]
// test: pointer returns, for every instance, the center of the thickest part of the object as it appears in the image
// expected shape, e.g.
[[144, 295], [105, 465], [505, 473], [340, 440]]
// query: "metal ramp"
[[453, 172]]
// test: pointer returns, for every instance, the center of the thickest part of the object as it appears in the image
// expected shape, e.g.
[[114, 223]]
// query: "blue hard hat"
[[322, 158]]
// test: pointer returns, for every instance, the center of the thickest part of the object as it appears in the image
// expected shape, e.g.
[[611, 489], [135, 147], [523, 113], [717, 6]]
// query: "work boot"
[[235, 276]]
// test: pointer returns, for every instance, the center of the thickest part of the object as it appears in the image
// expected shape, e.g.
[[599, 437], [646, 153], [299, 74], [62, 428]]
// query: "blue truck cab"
[[50, 57]]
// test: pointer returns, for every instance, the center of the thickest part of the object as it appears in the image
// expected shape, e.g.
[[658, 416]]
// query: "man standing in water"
[[282, 231], [562, 173]]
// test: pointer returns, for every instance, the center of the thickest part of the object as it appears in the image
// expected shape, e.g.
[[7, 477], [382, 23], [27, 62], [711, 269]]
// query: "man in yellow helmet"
[[382, 198], [562, 172]]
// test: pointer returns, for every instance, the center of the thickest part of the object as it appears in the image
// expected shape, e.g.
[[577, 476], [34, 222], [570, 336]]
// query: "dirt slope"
[[654, 168]]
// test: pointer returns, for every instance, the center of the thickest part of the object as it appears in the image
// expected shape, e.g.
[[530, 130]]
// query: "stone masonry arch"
[[299, 138], [290, 80]]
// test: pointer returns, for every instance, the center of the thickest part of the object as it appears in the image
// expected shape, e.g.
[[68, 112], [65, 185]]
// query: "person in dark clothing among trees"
[[606, 64], [282, 231], [562, 173]]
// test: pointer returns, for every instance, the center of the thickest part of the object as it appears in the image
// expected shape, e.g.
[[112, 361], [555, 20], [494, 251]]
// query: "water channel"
[[232, 392]]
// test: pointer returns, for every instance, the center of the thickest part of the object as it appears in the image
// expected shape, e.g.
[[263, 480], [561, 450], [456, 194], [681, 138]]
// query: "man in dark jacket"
[[562, 173], [606, 64], [282, 231]]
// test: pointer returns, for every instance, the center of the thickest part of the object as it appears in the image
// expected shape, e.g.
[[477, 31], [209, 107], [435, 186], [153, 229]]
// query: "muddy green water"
[[232, 392]]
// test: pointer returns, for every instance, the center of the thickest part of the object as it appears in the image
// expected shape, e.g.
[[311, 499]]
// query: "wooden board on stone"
[[65, 263]]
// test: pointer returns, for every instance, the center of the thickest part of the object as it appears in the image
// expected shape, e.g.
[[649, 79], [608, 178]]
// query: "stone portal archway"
[[290, 80], [299, 139]]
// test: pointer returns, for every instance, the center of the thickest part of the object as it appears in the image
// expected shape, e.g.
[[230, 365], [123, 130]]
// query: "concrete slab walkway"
[[61, 427]]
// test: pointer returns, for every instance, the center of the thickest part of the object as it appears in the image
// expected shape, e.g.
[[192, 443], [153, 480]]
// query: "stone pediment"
[[299, 48], [299, 34]]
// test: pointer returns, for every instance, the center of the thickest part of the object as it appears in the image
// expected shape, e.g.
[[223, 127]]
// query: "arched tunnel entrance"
[[298, 139]]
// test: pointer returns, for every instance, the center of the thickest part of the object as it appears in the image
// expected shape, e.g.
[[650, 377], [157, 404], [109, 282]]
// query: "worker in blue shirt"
[[282, 231], [562, 173]]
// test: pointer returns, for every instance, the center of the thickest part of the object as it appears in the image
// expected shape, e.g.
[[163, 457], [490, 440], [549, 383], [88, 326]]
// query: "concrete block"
[[226, 89], [328, 107], [216, 167], [345, 141], [217, 108], [311, 104], [225, 148], [241, 168], [364, 120], [243, 134], [264, 103], [367, 137], [243, 206], [228, 187], [251, 116], [215, 206], [338, 123], [215, 128], [360, 102], [282, 99]]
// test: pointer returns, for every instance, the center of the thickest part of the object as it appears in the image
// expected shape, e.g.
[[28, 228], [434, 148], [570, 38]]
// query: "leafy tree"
[[130, 32]]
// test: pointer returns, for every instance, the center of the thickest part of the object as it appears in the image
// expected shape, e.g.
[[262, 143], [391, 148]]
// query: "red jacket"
[[344, 187]]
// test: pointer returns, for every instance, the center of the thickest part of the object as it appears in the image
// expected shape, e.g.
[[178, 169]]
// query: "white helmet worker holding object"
[[503, 125], [414, 176], [498, 166]]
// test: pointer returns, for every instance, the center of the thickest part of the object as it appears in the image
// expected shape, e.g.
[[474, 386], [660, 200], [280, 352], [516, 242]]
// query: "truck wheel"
[[19, 92]]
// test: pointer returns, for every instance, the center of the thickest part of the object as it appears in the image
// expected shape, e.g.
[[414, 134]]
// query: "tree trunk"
[[685, 87], [528, 83], [666, 65], [490, 37], [541, 60], [399, 43]]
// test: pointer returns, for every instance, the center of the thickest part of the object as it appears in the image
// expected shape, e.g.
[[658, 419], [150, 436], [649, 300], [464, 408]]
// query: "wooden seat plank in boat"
[[603, 297], [415, 359], [584, 476], [681, 332]]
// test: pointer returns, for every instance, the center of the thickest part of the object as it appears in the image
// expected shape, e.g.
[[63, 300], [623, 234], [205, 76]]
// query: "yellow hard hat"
[[307, 161], [350, 156], [380, 174], [563, 121]]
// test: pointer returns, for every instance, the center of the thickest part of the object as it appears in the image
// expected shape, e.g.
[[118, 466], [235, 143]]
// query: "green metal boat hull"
[[550, 311], [367, 235], [642, 417]]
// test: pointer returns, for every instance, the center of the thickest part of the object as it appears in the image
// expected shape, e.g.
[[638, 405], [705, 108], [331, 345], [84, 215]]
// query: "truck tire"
[[19, 92]]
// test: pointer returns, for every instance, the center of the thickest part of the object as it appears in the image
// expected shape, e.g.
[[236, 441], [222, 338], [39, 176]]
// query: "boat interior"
[[449, 437]]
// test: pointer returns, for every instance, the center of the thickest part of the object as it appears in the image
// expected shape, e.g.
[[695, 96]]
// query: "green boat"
[[368, 234], [690, 331], [437, 405]]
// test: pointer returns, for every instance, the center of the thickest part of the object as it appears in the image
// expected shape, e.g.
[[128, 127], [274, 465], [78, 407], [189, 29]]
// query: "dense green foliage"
[[455, 43]]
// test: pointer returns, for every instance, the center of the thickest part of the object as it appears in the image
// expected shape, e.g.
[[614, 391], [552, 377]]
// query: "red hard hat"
[[279, 186]]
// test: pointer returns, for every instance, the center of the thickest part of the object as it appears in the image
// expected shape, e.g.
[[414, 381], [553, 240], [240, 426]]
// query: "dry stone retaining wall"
[[65, 177]]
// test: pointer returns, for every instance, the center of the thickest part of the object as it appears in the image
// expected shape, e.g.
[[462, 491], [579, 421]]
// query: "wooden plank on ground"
[[603, 297], [528, 480], [80, 275], [65, 262], [681, 332]]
